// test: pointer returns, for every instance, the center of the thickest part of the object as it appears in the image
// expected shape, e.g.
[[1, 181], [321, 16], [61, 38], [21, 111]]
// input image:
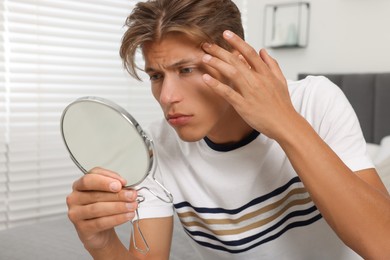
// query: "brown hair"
[[200, 20]]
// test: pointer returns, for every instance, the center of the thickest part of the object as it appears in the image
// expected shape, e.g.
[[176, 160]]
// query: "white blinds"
[[3, 169], [52, 52]]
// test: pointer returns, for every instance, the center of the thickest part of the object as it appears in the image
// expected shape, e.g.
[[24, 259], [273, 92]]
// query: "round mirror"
[[99, 133]]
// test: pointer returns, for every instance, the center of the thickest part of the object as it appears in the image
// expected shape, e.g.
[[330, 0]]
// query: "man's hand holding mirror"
[[97, 204], [116, 155]]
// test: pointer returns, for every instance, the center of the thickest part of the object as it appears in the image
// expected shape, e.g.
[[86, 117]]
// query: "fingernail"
[[129, 194], [206, 45], [129, 206], [207, 58], [130, 215], [206, 77], [115, 186], [228, 34]]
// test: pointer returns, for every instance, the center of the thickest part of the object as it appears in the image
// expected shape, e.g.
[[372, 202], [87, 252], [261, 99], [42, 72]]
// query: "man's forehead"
[[170, 58], [171, 64], [171, 42]]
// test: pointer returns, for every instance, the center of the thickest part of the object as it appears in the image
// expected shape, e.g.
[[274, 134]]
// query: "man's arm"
[[356, 206], [371, 177], [158, 235]]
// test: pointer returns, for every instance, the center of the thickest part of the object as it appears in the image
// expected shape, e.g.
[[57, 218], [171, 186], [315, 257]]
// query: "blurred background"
[[344, 36]]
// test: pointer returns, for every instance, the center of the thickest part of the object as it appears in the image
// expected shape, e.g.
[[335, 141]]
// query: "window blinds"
[[3, 160], [51, 53]]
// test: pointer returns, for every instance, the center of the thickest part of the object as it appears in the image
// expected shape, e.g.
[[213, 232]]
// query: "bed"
[[369, 94], [57, 239]]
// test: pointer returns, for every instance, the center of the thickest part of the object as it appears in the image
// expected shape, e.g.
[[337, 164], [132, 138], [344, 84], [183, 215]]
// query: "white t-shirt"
[[247, 202]]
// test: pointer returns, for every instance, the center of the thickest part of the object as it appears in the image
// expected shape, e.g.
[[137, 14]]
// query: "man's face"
[[175, 68]]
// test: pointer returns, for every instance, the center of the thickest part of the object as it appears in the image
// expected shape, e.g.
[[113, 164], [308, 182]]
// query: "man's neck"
[[230, 129]]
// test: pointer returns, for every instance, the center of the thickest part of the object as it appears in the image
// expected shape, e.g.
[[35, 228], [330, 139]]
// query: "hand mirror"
[[100, 133]]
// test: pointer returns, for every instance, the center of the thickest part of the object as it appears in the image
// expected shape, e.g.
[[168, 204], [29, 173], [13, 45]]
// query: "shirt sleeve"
[[152, 206], [336, 122]]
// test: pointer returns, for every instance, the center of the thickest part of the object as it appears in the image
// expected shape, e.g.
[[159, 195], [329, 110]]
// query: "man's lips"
[[178, 119]]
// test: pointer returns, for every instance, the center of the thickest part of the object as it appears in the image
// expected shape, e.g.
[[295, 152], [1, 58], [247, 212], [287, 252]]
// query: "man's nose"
[[170, 90]]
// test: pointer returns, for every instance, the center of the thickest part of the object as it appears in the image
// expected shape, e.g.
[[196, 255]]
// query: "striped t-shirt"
[[246, 201]]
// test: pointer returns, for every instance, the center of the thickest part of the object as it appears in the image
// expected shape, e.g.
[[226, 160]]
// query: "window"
[[51, 53]]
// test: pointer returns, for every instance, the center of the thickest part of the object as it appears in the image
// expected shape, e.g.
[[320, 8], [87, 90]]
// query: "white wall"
[[345, 36]]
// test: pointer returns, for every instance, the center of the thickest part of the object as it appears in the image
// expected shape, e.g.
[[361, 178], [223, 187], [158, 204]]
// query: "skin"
[[192, 108], [208, 91]]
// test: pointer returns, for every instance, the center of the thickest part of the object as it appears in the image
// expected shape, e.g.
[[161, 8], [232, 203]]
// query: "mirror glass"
[[99, 133]]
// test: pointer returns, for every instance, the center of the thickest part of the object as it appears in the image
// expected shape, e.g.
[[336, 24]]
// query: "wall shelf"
[[286, 25]]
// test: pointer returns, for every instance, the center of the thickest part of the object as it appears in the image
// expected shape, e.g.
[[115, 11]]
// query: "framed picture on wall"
[[286, 25]]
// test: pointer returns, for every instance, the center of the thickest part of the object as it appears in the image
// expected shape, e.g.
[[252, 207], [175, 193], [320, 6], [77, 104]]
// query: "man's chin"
[[189, 136]]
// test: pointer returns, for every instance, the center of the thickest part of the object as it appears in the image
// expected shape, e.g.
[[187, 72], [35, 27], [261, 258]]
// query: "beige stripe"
[[251, 226], [248, 227], [246, 216]]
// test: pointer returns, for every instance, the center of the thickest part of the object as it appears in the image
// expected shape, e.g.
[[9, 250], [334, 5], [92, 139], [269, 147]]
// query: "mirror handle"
[[135, 227]]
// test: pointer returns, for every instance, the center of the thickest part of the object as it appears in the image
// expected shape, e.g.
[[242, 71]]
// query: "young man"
[[259, 167]]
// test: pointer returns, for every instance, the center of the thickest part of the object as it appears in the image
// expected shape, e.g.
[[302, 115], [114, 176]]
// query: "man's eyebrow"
[[175, 64], [149, 70], [182, 62]]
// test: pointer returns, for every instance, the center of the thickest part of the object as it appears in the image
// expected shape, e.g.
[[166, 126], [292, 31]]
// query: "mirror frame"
[[125, 115]]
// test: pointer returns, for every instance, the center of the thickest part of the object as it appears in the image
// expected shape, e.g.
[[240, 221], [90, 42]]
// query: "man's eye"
[[186, 70], [155, 77]]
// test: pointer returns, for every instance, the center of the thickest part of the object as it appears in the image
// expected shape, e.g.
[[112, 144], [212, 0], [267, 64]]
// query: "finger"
[[247, 51], [108, 173], [97, 182], [241, 58], [231, 66], [102, 209], [101, 224], [225, 65], [229, 94], [272, 64], [223, 60], [84, 198]]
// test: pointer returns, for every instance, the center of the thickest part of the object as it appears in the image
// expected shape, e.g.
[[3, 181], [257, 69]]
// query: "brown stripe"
[[248, 227], [246, 216]]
